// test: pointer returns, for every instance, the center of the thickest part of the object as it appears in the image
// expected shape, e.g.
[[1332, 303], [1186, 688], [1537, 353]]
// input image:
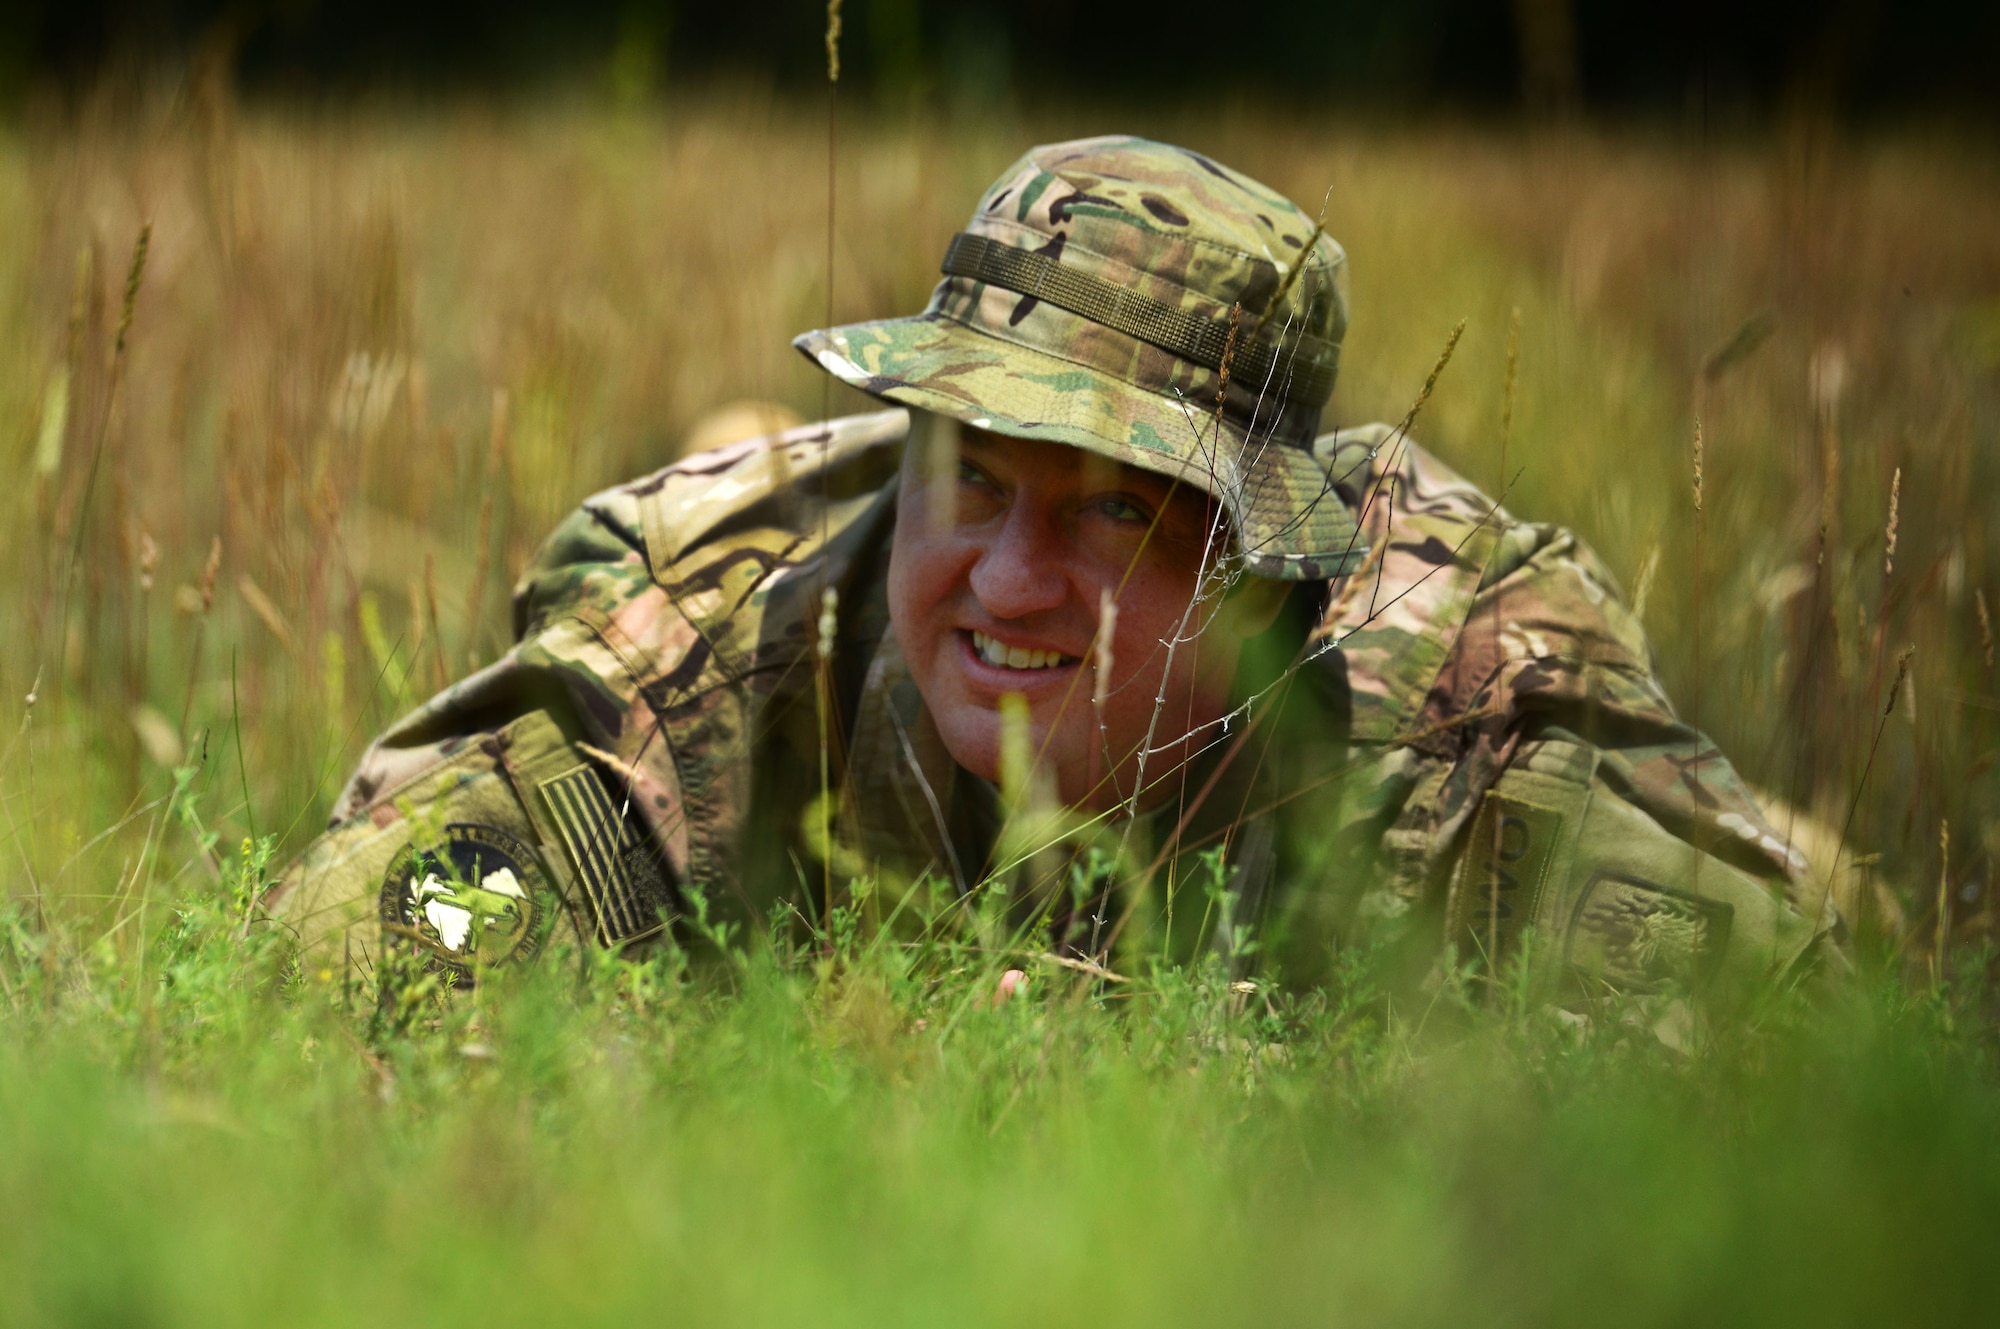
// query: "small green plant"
[[275, 462]]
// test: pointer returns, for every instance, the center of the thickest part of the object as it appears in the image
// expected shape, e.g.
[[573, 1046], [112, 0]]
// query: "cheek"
[[1150, 610], [924, 572], [1201, 668]]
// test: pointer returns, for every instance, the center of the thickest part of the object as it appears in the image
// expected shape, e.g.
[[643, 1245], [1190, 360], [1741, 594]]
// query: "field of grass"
[[273, 489]]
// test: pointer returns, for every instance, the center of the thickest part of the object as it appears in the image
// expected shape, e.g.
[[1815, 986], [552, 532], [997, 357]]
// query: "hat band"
[[1308, 365]]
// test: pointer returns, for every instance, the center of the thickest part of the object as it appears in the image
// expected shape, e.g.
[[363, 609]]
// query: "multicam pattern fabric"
[[1487, 658], [666, 636], [1165, 225], [1463, 739]]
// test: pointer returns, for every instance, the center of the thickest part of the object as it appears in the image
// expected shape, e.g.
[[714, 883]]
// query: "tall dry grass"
[[378, 351]]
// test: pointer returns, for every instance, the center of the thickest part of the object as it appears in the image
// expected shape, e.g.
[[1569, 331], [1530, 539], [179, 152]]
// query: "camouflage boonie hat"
[[1096, 297]]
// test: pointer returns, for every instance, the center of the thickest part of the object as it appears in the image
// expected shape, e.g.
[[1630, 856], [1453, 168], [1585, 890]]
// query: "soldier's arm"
[[1622, 835], [514, 767]]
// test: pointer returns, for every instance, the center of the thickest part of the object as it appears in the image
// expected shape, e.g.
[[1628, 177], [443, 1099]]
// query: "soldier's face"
[[1005, 550]]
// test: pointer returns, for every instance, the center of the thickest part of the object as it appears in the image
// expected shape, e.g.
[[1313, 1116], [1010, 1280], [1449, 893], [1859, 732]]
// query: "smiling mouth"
[[1002, 656]]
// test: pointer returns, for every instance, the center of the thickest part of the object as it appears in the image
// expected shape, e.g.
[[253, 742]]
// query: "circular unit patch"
[[478, 898]]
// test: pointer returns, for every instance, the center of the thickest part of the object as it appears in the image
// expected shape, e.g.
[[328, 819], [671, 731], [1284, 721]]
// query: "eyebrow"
[[1155, 487]]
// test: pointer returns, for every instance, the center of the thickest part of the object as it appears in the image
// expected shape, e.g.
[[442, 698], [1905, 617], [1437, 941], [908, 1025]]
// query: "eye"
[[970, 474], [1120, 508]]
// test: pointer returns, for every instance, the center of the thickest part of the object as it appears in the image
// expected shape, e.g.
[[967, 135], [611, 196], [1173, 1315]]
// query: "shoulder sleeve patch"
[[469, 896], [1635, 936]]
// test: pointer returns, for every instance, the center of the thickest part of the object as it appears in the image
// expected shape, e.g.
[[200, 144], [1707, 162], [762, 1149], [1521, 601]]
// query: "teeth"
[[1015, 657]]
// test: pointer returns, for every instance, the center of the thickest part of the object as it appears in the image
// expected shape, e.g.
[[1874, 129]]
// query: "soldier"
[[1094, 615]]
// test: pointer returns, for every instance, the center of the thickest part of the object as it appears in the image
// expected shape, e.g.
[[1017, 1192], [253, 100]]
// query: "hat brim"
[[1290, 523]]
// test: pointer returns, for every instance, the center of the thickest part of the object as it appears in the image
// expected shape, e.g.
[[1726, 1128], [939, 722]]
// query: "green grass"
[[865, 1139], [193, 1129]]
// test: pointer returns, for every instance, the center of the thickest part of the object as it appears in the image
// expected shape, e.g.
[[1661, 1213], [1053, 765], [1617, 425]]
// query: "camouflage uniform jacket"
[[1467, 740]]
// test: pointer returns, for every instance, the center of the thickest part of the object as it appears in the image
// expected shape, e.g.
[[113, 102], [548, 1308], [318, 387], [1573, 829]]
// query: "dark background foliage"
[[1865, 58]]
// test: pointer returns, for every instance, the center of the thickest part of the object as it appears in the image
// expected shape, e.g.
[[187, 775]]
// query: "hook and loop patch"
[[1636, 936], [1506, 867], [475, 899], [620, 872]]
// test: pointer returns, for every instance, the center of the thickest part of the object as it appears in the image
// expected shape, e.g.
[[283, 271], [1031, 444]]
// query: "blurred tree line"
[[1863, 57]]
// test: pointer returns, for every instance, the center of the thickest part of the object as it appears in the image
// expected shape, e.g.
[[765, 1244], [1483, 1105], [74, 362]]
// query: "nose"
[[1021, 570]]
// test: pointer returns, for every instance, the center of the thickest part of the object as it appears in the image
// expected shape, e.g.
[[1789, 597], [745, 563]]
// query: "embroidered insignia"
[[477, 898], [621, 874], [1506, 865], [1638, 937]]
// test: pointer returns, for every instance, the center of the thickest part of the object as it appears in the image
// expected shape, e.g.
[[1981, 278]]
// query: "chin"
[[972, 737]]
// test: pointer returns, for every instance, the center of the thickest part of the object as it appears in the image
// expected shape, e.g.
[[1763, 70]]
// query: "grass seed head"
[[1902, 676], [1107, 629], [1277, 300], [829, 622], [1889, 539], [1402, 430], [1697, 467], [135, 277]]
